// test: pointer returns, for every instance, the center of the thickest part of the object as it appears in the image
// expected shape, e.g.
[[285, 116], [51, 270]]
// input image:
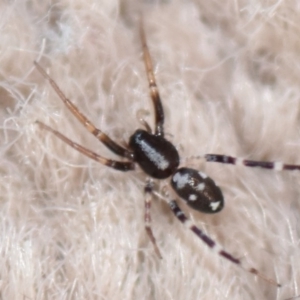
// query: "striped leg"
[[224, 159], [118, 165], [148, 197], [101, 136], [158, 109], [212, 244]]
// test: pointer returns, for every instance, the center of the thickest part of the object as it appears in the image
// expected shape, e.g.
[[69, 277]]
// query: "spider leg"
[[148, 198], [140, 115], [101, 136], [212, 244], [278, 166], [159, 112], [118, 165]]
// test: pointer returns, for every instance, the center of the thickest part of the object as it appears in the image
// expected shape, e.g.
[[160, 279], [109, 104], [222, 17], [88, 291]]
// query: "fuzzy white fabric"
[[229, 76]]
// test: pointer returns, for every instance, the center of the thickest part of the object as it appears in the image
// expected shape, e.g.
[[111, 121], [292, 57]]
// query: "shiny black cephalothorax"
[[156, 156]]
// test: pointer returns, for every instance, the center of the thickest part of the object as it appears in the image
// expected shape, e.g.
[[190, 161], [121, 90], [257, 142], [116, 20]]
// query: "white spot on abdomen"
[[214, 205], [192, 197], [181, 180], [200, 187]]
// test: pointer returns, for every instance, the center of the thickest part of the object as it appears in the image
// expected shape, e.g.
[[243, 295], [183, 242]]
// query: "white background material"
[[229, 76]]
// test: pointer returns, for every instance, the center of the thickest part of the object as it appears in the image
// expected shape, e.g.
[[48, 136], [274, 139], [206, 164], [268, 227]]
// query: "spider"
[[159, 159]]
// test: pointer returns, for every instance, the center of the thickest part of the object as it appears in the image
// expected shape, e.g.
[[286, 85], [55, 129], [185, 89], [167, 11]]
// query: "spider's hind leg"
[[148, 198], [275, 165], [213, 245]]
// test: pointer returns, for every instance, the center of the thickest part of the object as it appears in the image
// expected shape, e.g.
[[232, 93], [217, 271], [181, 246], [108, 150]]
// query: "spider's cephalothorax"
[[159, 159], [156, 156]]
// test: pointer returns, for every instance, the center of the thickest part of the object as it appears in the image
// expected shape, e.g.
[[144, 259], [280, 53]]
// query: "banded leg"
[[148, 197], [159, 112], [101, 136], [224, 159], [212, 244], [118, 165]]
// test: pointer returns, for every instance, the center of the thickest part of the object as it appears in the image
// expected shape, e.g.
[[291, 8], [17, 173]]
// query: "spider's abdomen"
[[155, 155], [198, 190]]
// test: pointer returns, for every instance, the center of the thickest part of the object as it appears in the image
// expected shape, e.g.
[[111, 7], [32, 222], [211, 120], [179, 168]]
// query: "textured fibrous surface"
[[228, 73]]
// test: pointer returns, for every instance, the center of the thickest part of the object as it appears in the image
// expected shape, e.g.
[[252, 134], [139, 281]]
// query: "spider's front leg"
[[154, 93], [114, 164], [99, 134]]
